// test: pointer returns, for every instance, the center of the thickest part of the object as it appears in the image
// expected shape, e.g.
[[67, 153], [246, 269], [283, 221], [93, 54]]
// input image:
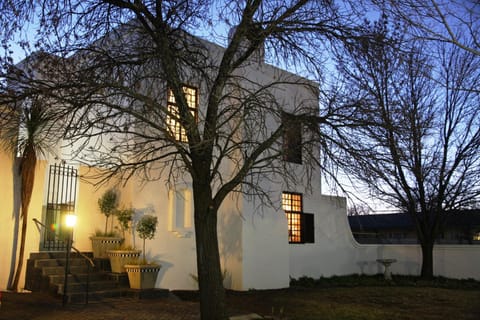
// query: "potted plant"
[[107, 240], [143, 275], [125, 254]]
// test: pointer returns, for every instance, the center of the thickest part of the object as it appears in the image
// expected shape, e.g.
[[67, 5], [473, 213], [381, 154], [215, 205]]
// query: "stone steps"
[[57, 255], [60, 270], [46, 272], [81, 287], [39, 263], [79, 277]]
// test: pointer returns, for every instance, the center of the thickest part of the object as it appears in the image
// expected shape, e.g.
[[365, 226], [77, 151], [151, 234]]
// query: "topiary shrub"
[[146, 228], [107, 204]]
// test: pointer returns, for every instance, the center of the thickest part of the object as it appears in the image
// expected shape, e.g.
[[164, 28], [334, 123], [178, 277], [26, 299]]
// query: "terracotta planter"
[[119, 258], [142, 276], [100, 245]]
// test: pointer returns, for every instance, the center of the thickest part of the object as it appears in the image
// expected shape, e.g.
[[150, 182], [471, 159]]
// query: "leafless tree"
[[456, 22], [417, 142], [359, 209], [112, 65]]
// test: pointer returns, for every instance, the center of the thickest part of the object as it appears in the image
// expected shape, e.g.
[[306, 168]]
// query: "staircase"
[[46, 272]]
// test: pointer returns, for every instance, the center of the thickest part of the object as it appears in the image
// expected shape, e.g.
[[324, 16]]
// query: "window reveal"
[[180, 211]]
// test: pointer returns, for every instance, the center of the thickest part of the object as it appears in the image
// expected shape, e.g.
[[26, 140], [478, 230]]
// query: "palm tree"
[[27, 130]]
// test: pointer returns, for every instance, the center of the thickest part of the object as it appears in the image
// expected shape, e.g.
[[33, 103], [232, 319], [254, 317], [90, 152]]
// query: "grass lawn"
[[350, 297], [362, 303], [366, 298]]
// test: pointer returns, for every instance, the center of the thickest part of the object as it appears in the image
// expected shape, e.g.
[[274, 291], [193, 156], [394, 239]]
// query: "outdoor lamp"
[[71, 220]]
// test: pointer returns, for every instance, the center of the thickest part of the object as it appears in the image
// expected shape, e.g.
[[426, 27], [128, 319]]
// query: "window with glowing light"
[[173, 116], [300, 224]]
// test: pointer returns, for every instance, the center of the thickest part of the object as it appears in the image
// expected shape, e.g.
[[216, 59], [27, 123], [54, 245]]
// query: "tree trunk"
[[27, 172], [212, 293], [13, 261], [16, 228], [427, 259], [21, 253]]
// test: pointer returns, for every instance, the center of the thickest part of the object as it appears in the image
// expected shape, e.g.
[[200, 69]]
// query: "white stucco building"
[[306, 234]]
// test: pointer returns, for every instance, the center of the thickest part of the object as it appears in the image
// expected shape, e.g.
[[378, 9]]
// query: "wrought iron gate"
[[61, 197]]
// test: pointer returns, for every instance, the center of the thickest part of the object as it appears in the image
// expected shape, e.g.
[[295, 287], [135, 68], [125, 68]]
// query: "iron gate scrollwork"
[[61, 198]]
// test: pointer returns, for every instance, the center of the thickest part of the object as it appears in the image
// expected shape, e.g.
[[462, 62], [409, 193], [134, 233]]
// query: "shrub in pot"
[[125, 254], [106, 240], [141, 274]]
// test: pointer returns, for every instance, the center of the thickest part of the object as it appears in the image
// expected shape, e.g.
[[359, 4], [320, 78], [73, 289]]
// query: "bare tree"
[[128, 73], [359, 209], [417, 143], [456, 22]]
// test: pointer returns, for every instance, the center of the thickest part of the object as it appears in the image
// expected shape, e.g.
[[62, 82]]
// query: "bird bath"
[[386, 263]]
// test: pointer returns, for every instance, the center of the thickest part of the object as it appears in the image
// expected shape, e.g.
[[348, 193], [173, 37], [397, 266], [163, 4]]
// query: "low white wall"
[[335, 252], [457, 261]]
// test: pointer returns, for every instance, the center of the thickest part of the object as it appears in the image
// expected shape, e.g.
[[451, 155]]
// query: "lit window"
[[292, 202], [173, 122], [300, 224]]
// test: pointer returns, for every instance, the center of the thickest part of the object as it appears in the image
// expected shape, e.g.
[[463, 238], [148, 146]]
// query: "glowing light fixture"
[[70, 220]]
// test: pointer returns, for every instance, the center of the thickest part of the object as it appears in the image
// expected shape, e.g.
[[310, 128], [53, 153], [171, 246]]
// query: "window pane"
[[292, 139], [308, 228], [294, 227], [173, 121], [292, 202], [292, 205]]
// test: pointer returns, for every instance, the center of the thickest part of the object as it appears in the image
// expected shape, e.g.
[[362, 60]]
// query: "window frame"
[[173, 123], [292, 138], [180, 210], [301, 226]]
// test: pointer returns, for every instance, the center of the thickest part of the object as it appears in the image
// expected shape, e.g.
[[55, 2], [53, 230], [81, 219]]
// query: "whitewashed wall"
[[7, 221], [335, 252], [254, 246], [265, 249], [6, 216]]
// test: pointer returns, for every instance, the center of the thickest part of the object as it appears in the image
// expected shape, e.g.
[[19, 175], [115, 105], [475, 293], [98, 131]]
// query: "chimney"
[[258, 55]]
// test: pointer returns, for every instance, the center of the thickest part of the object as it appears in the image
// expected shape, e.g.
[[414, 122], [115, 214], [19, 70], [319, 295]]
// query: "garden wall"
[[335, 252]]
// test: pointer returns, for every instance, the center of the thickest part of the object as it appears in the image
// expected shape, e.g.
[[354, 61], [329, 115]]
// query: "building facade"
[[304, 233]]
